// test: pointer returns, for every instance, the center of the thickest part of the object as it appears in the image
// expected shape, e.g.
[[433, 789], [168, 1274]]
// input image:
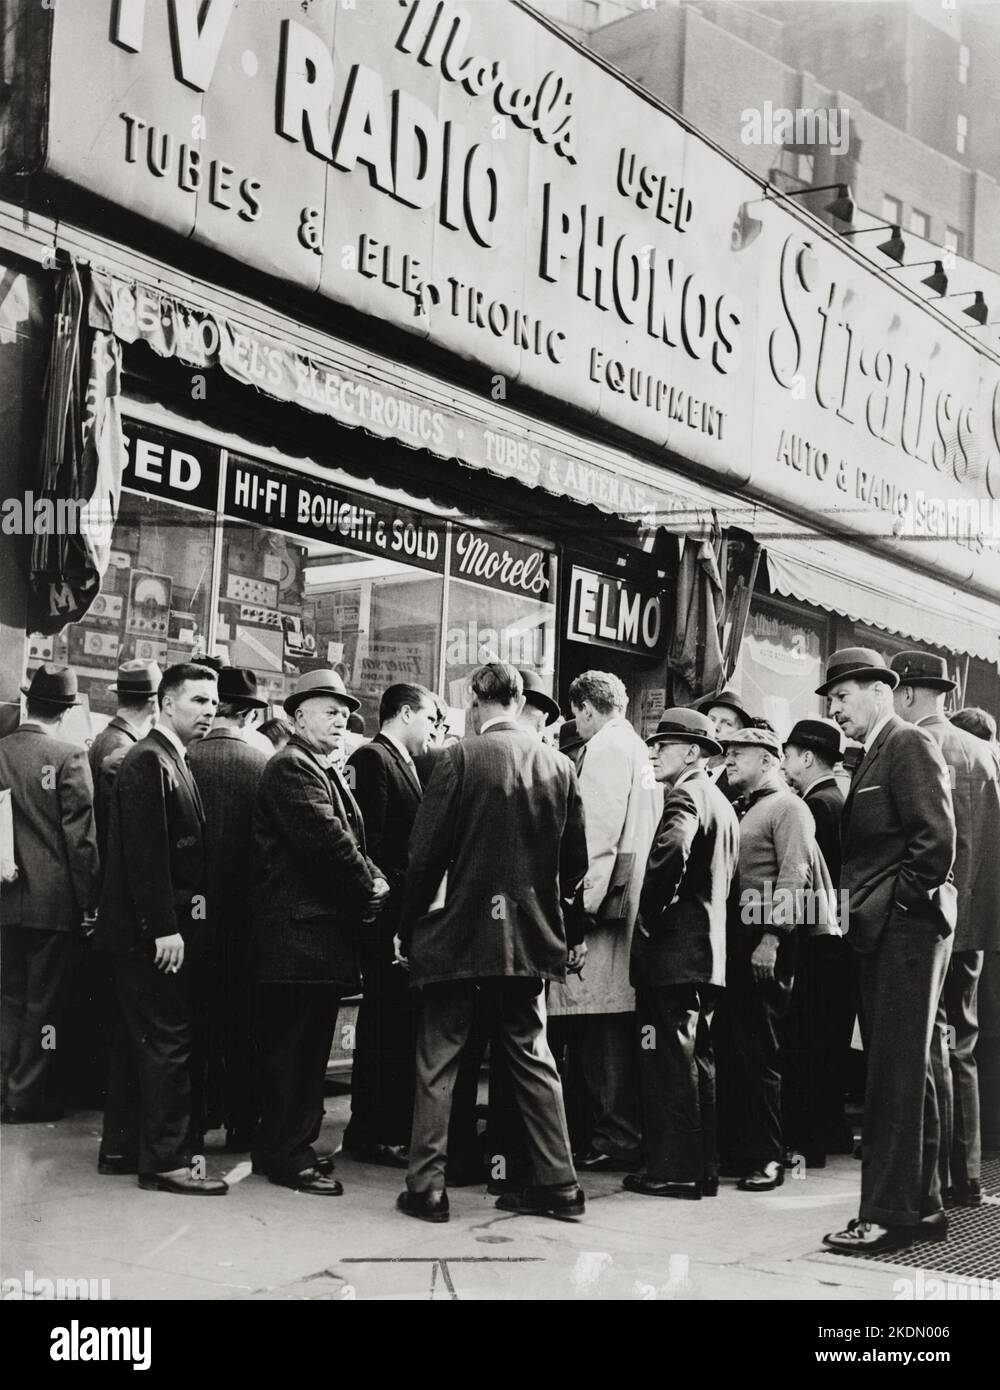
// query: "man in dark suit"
[[819, 1026], [135, 692], [383, 776], [898, 851], [228, 770], [679, 961], [153, 920], [55, 892], [919, 699], [315, 896], [498, 842]]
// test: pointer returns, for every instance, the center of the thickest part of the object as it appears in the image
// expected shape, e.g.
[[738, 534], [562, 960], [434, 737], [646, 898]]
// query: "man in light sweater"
[[776, 867]]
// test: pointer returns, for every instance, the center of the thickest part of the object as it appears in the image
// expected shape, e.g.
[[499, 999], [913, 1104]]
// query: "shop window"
[[500, 607], [781, 664], [153, 605]]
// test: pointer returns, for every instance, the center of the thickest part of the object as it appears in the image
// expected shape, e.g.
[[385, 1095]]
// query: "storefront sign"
[[170, 466], [306, 506], [498, 563], [461, 173], [606, 611]]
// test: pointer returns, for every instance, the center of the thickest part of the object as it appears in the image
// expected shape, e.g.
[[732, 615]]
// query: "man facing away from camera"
[[498, 843]]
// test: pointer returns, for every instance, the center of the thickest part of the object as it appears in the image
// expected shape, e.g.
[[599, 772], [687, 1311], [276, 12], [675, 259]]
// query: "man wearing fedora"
[[679, 961], [135, 694], [898, 851], [540, 711], [153, 920], [780, 878], [55, 892], [919, 699], [228, 770], [387, 788], [316, 894], [817, 1031], [728, 714]]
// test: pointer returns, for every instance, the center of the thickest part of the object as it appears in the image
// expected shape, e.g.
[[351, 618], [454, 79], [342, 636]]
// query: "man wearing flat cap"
[[43, 909], [781, 877], [679, 961], [228, 770], [817, 1032], [315, 893], [898, 852], [919, 699]]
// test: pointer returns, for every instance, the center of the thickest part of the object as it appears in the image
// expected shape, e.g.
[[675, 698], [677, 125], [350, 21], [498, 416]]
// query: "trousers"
[[295, 1030], [36, 968], [677, 1076]]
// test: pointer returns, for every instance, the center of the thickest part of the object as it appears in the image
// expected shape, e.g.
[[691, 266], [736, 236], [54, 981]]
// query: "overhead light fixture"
[[841, 207], [894, 248], [978, 309], [936, 281]]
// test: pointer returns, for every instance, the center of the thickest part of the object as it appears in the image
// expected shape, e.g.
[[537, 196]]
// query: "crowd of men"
[[662, 943]]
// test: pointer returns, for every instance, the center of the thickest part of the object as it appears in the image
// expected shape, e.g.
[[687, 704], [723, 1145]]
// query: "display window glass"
[[153, 605], [781, 665]]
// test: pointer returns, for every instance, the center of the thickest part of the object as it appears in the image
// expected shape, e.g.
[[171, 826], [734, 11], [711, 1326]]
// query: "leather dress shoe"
[[596, 1162], [968, 1194], [647, 1187], [868, 1238], [764, 1179], [564, 1201], [425, 1206], [21, 1115], [183, 1186], [383, 1155], [933, 1227], [117, 1165], [313, 1180]]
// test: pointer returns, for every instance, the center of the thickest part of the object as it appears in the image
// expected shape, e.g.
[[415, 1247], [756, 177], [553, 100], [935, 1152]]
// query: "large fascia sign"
[[462, 173], [607, 611]]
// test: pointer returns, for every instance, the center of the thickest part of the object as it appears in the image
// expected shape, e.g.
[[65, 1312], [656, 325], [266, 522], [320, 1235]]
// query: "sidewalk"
[[61, 1219]]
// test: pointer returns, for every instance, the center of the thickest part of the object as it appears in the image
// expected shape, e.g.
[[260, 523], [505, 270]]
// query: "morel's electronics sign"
[[460, 171]]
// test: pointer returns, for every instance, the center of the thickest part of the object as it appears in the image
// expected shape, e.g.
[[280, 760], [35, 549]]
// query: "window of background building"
[[153, 606], [892, 209], [961, 133], [963, 63], [781, 664], [953, 240], [920, 223]]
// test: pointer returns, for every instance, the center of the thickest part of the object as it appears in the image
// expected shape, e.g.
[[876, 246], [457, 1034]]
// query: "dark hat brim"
[[816, 744], [727, 702], [293, 701], [933, 682], [710, 745], [49, 700], [540, 700], [861, 673], [244, 701], [147, 691]]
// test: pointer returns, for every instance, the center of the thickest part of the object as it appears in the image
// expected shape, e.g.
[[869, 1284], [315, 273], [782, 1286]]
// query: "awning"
[[850, 581]]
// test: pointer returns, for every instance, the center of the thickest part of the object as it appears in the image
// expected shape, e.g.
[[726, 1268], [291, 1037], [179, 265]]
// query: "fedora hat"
[[53, 685], [569, 736], [754, 738], [319, 683], [238, 686], [536, 694], [923, 668], [857, 664], [686, 726], [137, 678], [820, 734], [729, 698]]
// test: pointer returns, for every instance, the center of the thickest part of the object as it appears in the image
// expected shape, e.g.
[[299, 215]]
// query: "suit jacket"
[[680, 935], [826, 802], [228, 771], [898, 834], [154, 879], [623, 806], [312, 877], [55, 842], [503, 817], [389, 794], [975, 794], [117, 737]]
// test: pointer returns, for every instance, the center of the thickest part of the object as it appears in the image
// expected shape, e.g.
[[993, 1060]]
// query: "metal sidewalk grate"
[[971, 1250], [991, 1174]]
